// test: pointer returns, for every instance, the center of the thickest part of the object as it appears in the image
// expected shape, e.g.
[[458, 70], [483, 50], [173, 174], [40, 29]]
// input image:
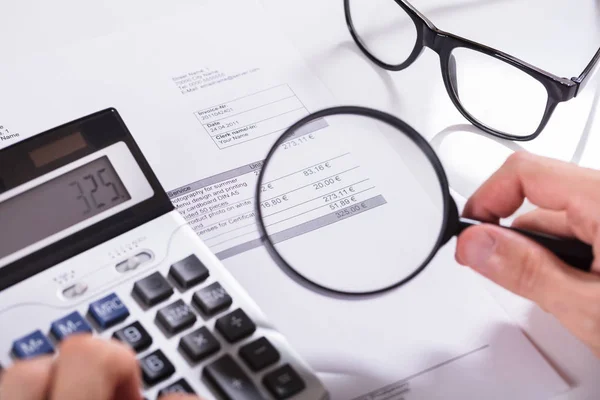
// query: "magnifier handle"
[[573, 252]]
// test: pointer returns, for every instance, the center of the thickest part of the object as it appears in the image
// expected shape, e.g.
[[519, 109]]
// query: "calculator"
[[91, 244]]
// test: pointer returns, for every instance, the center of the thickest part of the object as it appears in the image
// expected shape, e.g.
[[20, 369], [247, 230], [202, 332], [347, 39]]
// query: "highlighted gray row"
[[308, 226]]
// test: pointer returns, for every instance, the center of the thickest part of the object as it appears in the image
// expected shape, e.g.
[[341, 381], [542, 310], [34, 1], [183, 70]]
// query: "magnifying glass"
[[353, 202]]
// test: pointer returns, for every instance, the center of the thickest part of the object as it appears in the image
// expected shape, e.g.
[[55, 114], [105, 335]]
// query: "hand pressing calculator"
[[90, 243]]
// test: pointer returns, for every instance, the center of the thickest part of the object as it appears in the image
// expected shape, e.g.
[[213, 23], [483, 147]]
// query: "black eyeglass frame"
[[443, 43]]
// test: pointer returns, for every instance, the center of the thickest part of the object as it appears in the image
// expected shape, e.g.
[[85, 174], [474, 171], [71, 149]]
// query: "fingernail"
[[478, 250]]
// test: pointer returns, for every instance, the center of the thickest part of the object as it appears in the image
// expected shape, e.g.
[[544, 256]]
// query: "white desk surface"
[[558, 35]]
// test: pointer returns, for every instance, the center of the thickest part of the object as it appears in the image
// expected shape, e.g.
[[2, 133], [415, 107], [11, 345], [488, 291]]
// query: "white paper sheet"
[[204, 94]]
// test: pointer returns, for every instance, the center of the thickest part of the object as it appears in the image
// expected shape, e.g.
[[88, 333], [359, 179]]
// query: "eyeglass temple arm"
[[587, 73]]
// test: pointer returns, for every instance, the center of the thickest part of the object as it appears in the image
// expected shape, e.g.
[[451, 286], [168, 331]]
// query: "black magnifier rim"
[[394, 122]]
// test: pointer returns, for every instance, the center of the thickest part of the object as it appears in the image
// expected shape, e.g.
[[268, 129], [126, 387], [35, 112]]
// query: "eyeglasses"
[[496, 92]]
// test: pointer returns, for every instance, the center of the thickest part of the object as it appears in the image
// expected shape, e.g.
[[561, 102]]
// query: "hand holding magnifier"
[[341, 232]]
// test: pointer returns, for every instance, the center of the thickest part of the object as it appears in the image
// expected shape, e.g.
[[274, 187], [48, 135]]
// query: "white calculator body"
[[90, 243]]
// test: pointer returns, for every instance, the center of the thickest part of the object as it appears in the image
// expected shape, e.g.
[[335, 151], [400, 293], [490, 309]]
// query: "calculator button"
[[230, 380], [70, 325], [284, 382], [33, 345], [108, 311], [156, 367], [181, 386], [199, 344], [212, 299], [189, 272], [259, 354], [235, 326], [176, 317], [153, 289], [135, 336]]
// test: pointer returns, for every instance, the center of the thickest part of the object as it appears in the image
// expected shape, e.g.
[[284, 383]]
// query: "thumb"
[[514, 262]]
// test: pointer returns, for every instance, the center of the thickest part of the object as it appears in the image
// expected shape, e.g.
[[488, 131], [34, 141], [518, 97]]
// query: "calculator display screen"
[[60, 203]]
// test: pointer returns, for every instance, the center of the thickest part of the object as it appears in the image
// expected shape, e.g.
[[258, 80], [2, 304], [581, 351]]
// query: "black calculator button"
[[230, 380], [189, 272], [176, 317], [135, 336], [199, 344], [212, 299], [259, 354], [181, 386], [235, 326], [156, 367], [153, 289], [284, 382]]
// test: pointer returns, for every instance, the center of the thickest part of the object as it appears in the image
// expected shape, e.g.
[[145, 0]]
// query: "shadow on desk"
[[561, 348], [490, 371], [466, 176]]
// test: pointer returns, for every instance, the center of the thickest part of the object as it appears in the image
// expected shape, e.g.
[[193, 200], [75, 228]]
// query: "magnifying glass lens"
[[351, 203]]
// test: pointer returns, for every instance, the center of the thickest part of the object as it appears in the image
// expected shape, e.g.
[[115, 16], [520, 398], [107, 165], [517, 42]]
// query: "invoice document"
[[205, 93]]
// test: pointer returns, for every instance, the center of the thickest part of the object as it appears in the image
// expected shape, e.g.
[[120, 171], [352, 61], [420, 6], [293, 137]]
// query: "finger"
[[584, 218], [580, 220], [519, 265], [27, 380], [547, 183], [95, 369], [578, 310], [546, 221], [529, 270]]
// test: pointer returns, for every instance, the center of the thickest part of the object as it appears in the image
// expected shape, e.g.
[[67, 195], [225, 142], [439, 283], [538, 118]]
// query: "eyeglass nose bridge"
[[434, 38]]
